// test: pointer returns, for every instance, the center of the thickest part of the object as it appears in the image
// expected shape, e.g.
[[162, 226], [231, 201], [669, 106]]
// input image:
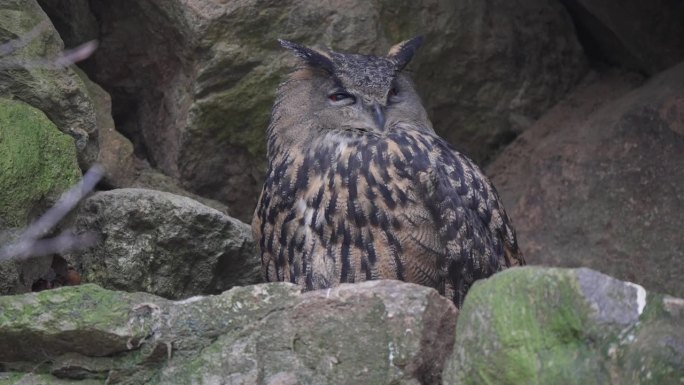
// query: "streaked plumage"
[[360, 187]]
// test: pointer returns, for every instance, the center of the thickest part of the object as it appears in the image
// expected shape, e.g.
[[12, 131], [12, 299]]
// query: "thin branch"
[[76, 54], [30, 244], [22, 41], [65, 59], [65, 242]]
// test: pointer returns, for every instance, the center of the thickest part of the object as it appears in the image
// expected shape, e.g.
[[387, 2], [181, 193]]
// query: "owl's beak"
[[379, 116]]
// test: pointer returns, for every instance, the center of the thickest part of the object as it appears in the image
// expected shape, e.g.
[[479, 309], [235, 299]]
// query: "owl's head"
[[335, 93]]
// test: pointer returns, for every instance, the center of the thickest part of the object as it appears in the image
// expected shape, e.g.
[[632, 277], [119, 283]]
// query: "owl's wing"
[[267, 268], [475, 231]]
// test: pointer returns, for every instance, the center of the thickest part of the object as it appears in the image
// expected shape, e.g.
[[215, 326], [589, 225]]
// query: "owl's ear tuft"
[[402, 53], [310, 56]]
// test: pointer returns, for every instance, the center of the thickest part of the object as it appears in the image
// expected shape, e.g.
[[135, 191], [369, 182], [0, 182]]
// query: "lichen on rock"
[[38, 163]]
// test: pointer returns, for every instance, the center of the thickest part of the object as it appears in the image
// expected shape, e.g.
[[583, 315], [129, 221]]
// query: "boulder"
[[534, 325], [599, 181], [152, 179], [38, 163], [30, 71], [381, 332], [164, 244], [193, 81], [85, 320], [642, 36]]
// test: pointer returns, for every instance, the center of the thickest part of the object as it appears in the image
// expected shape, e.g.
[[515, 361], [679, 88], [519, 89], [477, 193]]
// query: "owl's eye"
[[341, 97]]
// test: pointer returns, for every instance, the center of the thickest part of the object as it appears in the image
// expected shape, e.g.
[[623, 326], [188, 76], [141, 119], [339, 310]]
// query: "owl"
[[360, 187]]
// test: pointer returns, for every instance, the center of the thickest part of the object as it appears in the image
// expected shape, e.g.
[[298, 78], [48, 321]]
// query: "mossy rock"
[[14, 378], [566, 326], [38, 163], [375, 332], [59, 92]]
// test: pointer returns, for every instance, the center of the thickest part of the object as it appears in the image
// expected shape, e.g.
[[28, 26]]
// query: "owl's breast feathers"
[[400, 206]]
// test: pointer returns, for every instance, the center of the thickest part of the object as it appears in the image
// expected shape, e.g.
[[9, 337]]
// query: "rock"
[[86, 320], [76, 105], [476, 73], [152, 179], [73, 20], [28, 72], [31, 274], [115, 155], [18, 275], [375, 332], [561, 326], [599, 181], [38, 163], [193, 81], [379, 332], [163, 244], [641, 36]]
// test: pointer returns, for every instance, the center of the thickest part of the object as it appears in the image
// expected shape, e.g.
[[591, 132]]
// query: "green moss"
[[532, 335], [42, 379], [240, 115], [400, 21], [651, 356], [654, 308], [38, 162], [86, 307], [10, 378]]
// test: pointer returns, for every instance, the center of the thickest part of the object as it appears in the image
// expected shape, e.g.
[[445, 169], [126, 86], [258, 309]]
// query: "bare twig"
[[23, 40], [65, 59], [64, 242], [77, 54], [30, 244]]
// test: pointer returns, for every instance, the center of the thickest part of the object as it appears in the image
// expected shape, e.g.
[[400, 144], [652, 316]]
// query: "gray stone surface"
[[611, 300], [18, 275], [644, 36], [599, 181], [381, 332], [164, 244], [377, 332]]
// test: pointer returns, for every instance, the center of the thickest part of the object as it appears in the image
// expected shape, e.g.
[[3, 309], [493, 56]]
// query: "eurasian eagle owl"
[[360, 187]]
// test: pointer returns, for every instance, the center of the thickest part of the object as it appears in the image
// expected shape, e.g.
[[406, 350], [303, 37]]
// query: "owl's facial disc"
[[360, 92]]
